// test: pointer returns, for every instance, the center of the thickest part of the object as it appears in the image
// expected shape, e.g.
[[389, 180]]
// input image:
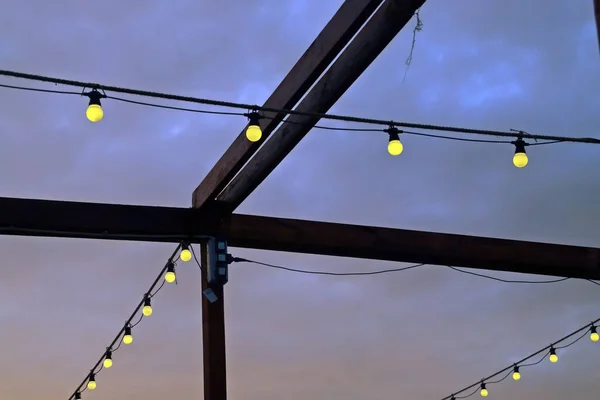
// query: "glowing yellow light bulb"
[[594, 337], [91, 382], [483, 392], [395, 147], [516, 374], [553, 356], [147, 310], [127, 336], [520, 158], [108, 359], [253, 132], [170, 275], [94, 111], [186, 254]]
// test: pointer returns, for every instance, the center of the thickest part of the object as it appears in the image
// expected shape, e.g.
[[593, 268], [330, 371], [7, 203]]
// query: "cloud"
[[416, 334]]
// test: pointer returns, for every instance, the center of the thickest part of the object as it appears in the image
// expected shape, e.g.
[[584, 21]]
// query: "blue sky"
[[419, 334]]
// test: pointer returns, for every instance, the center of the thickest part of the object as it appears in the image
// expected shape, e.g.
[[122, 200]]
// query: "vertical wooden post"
[[213, 336]]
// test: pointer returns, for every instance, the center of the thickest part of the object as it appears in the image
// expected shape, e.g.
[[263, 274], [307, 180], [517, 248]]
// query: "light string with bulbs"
[[125, 335], [254, 131], [185, 254], [515, 369]]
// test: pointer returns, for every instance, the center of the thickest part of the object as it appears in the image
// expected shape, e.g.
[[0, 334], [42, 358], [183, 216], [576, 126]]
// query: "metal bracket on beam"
[[218, 261]]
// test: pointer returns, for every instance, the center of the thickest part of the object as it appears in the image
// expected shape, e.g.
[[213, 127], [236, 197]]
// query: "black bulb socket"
[[393, 132], [170, 266], [95, 97], [520, 146]]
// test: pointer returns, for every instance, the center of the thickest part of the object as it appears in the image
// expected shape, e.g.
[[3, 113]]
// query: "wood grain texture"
[[328, 44], [52, 218], [372, 39]]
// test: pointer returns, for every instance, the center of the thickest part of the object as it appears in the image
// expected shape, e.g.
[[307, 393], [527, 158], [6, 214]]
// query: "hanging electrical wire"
[[125, 335], [393, 270], [258, 109], [95, 113], [514, 370]]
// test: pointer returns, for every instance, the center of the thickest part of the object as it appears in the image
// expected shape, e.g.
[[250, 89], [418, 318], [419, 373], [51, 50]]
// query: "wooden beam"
[[49, 218], [376, 243], [167, 224], [213, 336], [378, 32], [332, 39]]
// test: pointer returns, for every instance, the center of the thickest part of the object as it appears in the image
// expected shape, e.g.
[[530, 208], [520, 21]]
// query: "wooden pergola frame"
[[362, 29]]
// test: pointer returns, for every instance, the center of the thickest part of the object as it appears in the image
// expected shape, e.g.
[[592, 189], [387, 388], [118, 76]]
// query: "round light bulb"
[[516, 376], [94, 112], [170, 277], [107, 363], [594, 337], [127, 339], [484, 392], [186, 255], [395, 147], [553, 358], [147, 311], [91, 385], [520, 160], [253, 133]]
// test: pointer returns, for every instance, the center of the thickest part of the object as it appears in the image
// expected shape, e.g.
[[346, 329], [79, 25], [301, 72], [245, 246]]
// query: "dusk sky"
[[420, 334]]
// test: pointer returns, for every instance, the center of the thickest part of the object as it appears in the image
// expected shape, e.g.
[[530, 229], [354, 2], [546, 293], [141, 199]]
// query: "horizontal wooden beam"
[[49, 218], [388, 244], [332, 39], [372, 39], [167, 224]]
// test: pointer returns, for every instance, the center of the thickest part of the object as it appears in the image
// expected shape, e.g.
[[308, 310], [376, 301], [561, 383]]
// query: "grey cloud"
[[417, 334]]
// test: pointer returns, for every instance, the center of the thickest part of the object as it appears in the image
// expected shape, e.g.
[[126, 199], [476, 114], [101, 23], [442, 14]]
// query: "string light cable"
[[331, 128], [11, 230], [125, 334], [392, 270], [255, 117], [254, 132], [514, 370]]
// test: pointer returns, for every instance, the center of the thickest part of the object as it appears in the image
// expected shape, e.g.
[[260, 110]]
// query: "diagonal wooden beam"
[[377, 33], [50, 218], [332, 39]]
